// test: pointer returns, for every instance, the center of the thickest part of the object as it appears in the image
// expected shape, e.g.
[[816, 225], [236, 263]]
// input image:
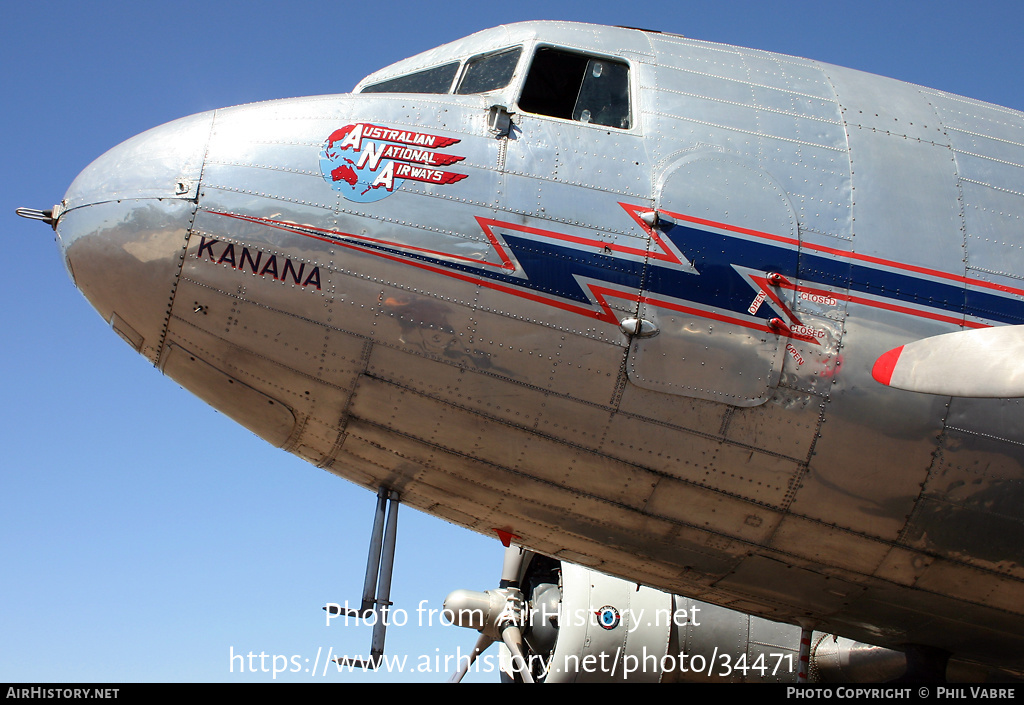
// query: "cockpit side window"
[[434, 80], [489, 72], [572, 86]]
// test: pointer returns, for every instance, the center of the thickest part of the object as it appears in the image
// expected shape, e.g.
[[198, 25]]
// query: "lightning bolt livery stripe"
[[694, 266]]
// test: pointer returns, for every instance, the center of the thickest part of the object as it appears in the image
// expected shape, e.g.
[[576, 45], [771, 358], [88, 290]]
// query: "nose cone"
[[125, 224]]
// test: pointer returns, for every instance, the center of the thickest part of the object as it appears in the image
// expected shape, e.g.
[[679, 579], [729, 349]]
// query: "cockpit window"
[[436, 80], [574, 86], [489, 72]]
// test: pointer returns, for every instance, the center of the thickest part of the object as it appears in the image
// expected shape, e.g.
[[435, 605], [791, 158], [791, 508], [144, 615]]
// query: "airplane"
[[619, 294]]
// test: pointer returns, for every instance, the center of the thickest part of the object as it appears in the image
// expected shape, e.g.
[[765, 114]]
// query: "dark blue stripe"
[[551, 269]]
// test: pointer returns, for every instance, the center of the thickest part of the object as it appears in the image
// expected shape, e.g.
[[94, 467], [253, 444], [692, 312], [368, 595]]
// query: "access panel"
[[722, 323]]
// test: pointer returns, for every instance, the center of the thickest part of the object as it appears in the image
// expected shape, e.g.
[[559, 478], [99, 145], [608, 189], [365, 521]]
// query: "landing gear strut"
[[380, 563]]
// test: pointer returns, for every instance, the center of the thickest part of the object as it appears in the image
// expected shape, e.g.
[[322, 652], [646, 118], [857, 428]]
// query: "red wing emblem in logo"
[[366, 163]]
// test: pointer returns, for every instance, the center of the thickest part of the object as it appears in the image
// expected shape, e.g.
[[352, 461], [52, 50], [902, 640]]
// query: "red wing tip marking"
[[885, 365]]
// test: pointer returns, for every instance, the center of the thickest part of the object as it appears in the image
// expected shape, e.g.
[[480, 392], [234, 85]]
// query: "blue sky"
[[143, 536]]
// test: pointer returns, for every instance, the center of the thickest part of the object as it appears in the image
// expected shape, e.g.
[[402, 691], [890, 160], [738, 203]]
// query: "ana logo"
[[366, 163], [608, 617]]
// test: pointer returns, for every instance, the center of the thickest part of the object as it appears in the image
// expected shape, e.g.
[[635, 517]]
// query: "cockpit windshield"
[[489, 72], [434, 80], [479, 74], [568, 85]]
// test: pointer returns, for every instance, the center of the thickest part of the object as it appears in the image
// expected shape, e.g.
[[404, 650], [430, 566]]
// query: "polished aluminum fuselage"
[[460, 342]]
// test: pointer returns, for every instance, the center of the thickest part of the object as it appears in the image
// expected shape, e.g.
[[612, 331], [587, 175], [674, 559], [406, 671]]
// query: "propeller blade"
[[984, 363], [513, 638], [481, 645], [494, 613]]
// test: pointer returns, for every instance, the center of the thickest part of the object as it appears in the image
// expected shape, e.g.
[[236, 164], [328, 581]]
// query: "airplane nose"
[[124, 224]]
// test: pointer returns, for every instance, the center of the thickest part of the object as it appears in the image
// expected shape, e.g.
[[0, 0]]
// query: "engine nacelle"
[[608, 629], [575, 625], [588, 627]]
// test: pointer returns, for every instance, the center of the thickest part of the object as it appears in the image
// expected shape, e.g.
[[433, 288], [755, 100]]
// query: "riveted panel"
[[258, 412]]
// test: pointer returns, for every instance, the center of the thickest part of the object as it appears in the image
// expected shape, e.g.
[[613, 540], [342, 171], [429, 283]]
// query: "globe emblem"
[[353, 171]]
